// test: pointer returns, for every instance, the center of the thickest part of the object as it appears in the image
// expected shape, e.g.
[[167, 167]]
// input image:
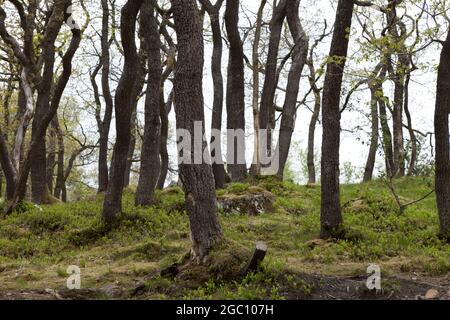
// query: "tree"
[[235, 99], [55, 22], [197, 179], [299, 57], [104, 124], [150, 158], [216, 68], [331, 217], [267, 110], [441, 123], [126, 95]]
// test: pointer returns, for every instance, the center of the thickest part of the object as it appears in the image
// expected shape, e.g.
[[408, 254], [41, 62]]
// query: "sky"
[[312, 15]]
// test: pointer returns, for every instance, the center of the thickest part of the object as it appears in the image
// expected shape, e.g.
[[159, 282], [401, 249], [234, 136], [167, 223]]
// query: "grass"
[[37, 245]]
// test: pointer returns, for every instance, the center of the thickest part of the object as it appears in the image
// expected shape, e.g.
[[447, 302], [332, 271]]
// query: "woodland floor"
[[37, 246]]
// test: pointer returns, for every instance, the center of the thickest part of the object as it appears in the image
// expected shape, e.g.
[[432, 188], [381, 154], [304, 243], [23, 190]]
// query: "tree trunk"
[[255, 169], [270, 80], [60, 182], [131, 150], [441, 123], [8, 168], [314, 118], [399, 85], [299, 57], [19, 192], [126, 95], [38, 165], [235, 100], [412, 135], [331, 217], [371, 158], [216, 69], [51, 157], [150, 159], [197, 179], [385, 130], [105, 124], [165, 108]]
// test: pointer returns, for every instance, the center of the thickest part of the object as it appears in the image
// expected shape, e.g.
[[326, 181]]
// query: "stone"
[[432, 294]]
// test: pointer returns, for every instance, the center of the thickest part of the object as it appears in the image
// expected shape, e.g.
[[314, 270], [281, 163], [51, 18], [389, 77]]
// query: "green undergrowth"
[[37, 244]]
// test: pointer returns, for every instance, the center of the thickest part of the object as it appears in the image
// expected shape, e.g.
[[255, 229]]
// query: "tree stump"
[[258, 256]]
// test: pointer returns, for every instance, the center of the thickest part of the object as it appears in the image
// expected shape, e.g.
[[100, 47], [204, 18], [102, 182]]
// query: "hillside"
[[38, 244]]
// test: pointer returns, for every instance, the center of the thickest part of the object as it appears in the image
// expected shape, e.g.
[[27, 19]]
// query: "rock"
[[112, 290], [246, 204], [432, 294]]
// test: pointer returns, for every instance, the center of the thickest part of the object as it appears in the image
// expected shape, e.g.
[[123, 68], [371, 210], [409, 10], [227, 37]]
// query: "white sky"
[[312, 14]]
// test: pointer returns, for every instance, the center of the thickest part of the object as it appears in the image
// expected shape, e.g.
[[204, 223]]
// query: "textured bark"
[[38, 156], [20, 190], [150, 158], [270, 81], [412, 135], [131, 150], [105, 124], [165, 108], [51, 155], [197, 179], [255, 168], [235, 99], [441, 123], [331, 217], [9, 172], [398, 32], [27, 61], [314, 117], [60, 182], [126, 95], [299, 57], [8, 168], [374, 136], [385, 129], [216, 70]]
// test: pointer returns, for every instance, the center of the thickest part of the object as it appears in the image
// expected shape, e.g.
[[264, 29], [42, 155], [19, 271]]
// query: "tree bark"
[[331, 217], [412, 135], [19, 193], [150, 158], [197, 179], [165, 108], [38, 166], [255, 169], [299, 57], [60, 182], [441, 123], [270, 80], [105, 124], [51, 155], [126, 95], [235, 99], [385, 129], [216, 70], [375, 87], [399, 76], [374, 136], [314, 117]]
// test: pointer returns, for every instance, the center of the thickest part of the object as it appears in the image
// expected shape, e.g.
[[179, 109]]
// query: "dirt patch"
[[319, 287]]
